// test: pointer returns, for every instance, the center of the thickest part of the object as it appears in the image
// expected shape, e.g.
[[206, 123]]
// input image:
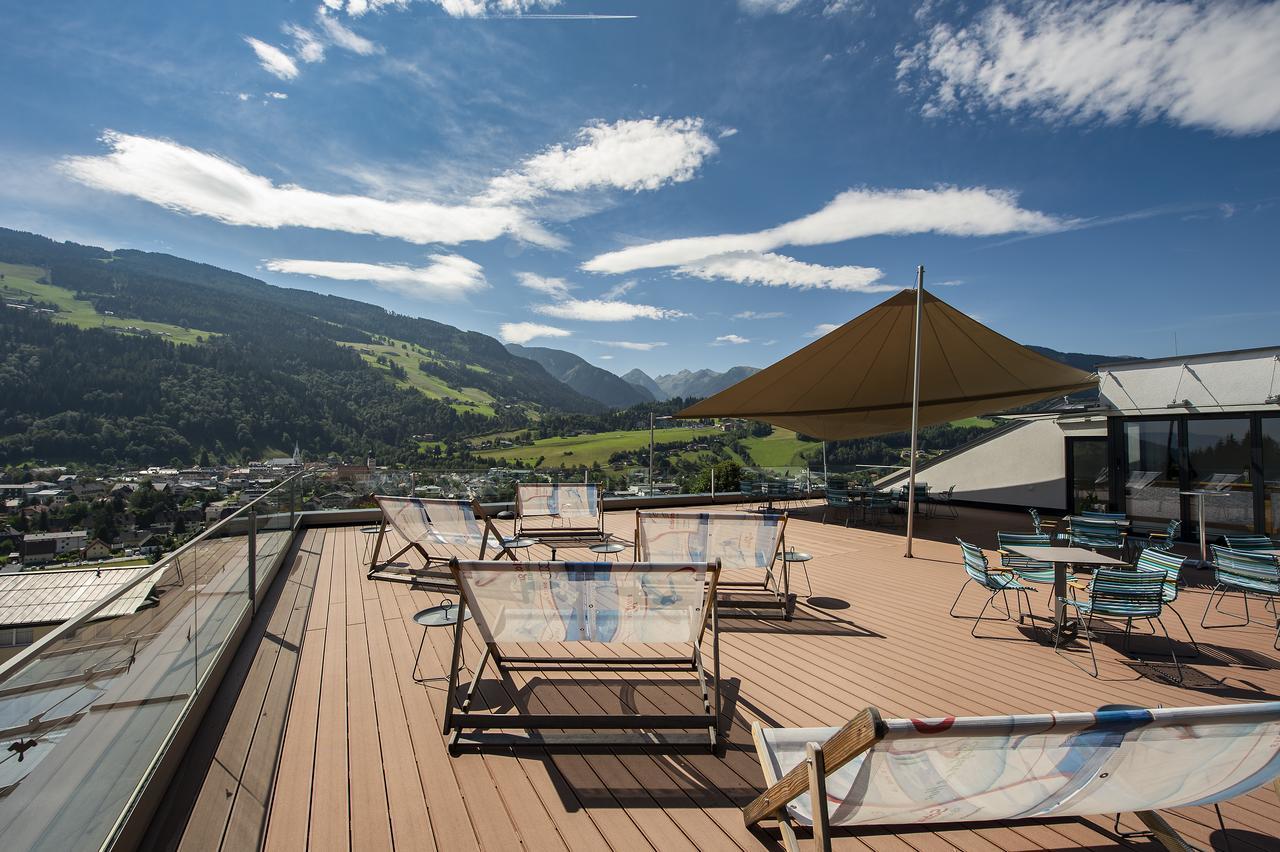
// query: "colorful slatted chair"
[[997, 581], [1156, 558], [1249, 542], [1159, 540], [1247, 572], [1121, 594], [1030, 570], [1096, 534], [838, 500]]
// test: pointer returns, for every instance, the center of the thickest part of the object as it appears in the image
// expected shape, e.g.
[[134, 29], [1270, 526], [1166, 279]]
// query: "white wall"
[[1025, 466], [1239, 381]]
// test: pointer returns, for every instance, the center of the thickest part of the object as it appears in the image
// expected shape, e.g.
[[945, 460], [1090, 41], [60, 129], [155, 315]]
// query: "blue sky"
[[1092, 177]]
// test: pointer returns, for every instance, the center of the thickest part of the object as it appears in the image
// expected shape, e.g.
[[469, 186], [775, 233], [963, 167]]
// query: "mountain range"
[[586, 378], [689, 384], [130, 356]]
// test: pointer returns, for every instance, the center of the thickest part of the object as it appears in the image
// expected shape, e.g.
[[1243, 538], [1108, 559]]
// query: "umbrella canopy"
[[857, 380]]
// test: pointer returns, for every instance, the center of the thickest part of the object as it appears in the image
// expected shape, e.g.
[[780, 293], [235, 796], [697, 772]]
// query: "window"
[[12, 637], [1090, 485], [1271, 476], [1152, 471], [1218, 456]]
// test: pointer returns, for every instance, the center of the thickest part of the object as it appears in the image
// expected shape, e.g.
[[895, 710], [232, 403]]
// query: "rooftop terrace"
[[320, 738]]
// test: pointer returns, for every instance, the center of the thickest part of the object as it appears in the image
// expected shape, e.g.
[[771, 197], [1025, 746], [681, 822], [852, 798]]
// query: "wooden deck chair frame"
[[425, 576], [574, 729], [859, 735], [557, 534], [779, 586]]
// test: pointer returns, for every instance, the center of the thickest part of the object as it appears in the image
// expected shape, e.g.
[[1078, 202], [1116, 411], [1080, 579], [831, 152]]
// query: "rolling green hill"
[[131, 356]]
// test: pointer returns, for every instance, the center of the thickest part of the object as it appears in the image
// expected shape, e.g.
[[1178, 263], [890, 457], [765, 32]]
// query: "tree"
[[204, 457]]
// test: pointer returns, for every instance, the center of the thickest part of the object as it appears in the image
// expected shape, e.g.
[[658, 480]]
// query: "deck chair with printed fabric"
[[922, 772], [749, 545], [626, 606], [429, 525], [560, 511]]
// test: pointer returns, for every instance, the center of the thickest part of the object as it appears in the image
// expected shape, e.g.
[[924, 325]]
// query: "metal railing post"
[[253, 560], [713, 484], [293, 489]]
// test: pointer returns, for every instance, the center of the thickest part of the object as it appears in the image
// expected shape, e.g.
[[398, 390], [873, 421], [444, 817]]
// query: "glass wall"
[[1090, 478], [1153, 454], [1219, 454], [1271, 476]]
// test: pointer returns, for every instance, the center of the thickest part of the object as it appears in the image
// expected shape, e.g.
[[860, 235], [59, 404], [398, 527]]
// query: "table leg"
[[1204, 545]]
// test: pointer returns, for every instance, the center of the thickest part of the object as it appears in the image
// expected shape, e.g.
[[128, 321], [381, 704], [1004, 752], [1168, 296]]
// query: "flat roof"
[[49, 597], [1178, 358]]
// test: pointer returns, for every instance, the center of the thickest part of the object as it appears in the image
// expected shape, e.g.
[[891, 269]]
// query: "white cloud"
[[345, 38], [619, 290], [273, 59], [453, 8], [599, 310], [606, 357], [855, 213], [523, 332], [631, 345], [1198, 64], [821, 329], [279, 96], [190, 181], [244, 96], [727, 132], [756, 315], [733, 339], [634, 155], [776, 270], [779, 7], [306, 45], [556, 288], [448, 277]]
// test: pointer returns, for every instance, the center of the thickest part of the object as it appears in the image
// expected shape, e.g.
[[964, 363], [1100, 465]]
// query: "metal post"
[[650, 453], [253, 560], [713, 483], [293, 486], [915, 412]]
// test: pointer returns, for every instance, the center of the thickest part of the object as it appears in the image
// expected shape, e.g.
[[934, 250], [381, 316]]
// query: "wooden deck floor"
[[336, 747]]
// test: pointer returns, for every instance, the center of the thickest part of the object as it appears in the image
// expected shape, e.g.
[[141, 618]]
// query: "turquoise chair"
[[1156, 558], [1244, 571], [838, 500], [998, 582], [1105, 516], [1096, 534], [1158, 540], [1120, 594], [1249, 542], [1031, 570]]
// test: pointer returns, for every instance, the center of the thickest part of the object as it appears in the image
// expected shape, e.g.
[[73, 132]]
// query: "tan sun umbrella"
[[861, 378]]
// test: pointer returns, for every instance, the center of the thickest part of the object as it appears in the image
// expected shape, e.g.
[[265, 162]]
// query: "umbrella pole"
[[915, 414]]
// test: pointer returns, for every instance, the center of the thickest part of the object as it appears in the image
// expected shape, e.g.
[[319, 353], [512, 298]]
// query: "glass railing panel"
[[91, 709]]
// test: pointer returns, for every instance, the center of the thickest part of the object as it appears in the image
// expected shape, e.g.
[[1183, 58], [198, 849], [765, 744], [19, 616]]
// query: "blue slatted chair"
[[1096, 534], [1158, 540], [879, 508], [996, 581], [1247, 572], [940, 502], [838, 500], [1121, 594], [1249, 542], [1043, 527], [1105, 516], [1156, 558], [1031, 570]]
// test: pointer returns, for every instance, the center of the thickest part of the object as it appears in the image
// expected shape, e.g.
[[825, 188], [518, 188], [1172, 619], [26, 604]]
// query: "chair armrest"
[[1079, 584]]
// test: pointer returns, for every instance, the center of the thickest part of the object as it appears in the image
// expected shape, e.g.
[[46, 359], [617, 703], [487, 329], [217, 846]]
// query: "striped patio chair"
[[1158, 540], [997, 581], [1244, 571], [1028, 570], [1121, 594], [1096, 534], [1248, 541], [837, 501], [1155, 558], [1105, 516], [940, 502]]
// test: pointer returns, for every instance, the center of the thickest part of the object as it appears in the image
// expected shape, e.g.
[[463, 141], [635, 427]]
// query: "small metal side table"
[[797, 557], [517, 543], [441, 615], [605, 548]]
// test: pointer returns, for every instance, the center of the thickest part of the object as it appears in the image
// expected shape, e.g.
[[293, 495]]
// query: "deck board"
[[364, 764]]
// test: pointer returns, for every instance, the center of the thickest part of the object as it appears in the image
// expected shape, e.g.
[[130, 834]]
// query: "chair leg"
[[973, 631], [952, 612], [1088, 638], [1194, 646], [1172, 653], [1218, 608]]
